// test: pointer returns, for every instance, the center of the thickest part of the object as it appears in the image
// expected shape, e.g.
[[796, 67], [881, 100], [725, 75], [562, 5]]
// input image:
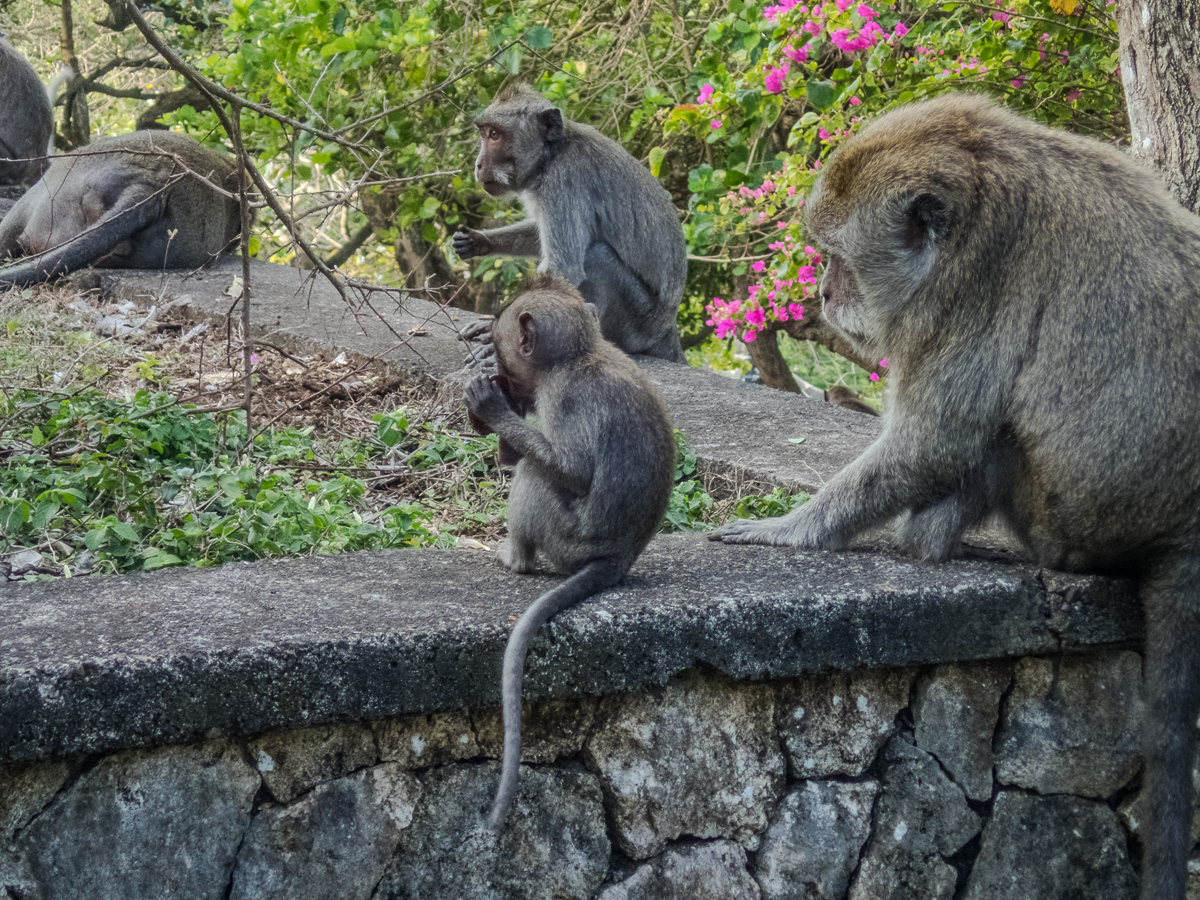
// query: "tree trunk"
[[772, 368], [1160, 68]]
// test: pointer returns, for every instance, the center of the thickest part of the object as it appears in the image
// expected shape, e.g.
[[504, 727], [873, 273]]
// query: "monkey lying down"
[[1000, 264], [590, 488], [595, 216], [136, 201]]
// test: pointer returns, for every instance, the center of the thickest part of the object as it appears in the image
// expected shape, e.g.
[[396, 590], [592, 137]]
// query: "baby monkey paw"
[[468, 244], [485, 398]]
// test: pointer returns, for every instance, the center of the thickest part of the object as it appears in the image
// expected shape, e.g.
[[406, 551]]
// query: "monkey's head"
[[545, 326], [518, 133], [891, 210]]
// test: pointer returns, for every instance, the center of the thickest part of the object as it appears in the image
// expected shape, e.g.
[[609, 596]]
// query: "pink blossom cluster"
[[775, 76], [773, 300], [883, 363]]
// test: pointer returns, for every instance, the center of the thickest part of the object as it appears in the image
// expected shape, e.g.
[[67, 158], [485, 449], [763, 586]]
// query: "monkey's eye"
[[493, 134]]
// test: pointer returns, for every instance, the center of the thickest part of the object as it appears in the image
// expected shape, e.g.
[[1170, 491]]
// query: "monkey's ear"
[[927, 220], [550, 124], [528, 334]]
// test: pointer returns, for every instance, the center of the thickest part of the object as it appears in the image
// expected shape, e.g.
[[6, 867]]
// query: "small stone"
[[697, 757], [955, 713], [1071, 724], [25, 789], [292, 762], [713, 870], [145, 825], [83, 563], [815, 839], [550, 729], [336, 841], [835, 724], [552, 844], [417, 742], [921, 820], [1051, 848], [24, 562]]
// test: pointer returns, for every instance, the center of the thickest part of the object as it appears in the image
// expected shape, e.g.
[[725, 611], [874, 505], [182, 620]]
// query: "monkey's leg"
[[934, 532], [12, 227], [137, 207], [630, 314], [1171, 599], [519, 550], [595, 576]]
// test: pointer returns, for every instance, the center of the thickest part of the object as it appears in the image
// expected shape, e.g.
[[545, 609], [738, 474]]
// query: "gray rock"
[[550, 729], [921, 820], [552, 844], [713, 870], [1071, 724], [417, 742], [334, 842], [157, 825], [24, 562], [25, 789], [697, 757], [1051, 848], [955, 713], [815, 839], [292, 762], [835, 724]]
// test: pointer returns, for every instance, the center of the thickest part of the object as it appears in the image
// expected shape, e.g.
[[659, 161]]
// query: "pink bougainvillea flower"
[[799, 55], [900, 30], [774, 80], [750, 335], [796, 310], [854, 101], [866, 12], [883, 362], [758, 265], [706, 93], [716, 123], [823, 134], [781, 224], [1074, 94], [809, 249], [756, 317], [874, 376]]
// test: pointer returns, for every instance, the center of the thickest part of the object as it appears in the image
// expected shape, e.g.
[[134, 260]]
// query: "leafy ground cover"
[[111, 461]]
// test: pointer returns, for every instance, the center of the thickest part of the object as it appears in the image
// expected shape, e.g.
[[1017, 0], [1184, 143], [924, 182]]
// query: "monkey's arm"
[[520, 239], [11, 229], [487, 401], [137, 207], [896, 473]]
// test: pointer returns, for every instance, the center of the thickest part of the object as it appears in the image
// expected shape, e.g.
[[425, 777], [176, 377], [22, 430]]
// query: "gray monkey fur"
[[595, 216], [27, 122], [590, 488], [116, 202], [1038, 296]]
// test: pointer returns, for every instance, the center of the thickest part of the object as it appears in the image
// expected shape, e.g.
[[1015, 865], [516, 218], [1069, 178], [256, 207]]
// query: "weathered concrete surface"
[[102, 664], [301, 310]]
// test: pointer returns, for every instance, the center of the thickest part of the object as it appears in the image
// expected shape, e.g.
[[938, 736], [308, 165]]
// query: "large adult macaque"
[[27, 121], [595, 216], [1000, 265], [138, 201], [590, 487]]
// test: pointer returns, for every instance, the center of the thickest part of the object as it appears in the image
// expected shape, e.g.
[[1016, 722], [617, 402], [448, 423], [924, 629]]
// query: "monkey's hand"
[[796, 529], [469, 243], [486, 400], [479, 331]]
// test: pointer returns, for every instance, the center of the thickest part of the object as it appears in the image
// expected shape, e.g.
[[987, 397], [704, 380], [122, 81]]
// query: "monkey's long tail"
[[595, 576], [1171, 598]]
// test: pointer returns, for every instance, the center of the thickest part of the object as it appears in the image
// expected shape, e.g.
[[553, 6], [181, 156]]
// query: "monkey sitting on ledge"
[[131, 202], [590, 488], [1000, 265]]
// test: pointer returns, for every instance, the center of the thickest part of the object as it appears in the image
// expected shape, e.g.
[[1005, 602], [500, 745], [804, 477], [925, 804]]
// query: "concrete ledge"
[[93, 665]]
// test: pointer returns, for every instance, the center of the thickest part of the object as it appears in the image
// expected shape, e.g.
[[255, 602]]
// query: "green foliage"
[[146, 483], [690, 507]]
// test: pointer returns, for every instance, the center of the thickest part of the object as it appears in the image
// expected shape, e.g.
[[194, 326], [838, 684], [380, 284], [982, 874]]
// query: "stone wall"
[[998, 779]]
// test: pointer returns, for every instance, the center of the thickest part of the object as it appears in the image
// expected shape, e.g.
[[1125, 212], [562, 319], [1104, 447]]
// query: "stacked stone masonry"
[[995, 780]]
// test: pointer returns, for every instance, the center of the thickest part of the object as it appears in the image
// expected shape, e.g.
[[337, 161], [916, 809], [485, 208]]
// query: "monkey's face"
[[495, 164]]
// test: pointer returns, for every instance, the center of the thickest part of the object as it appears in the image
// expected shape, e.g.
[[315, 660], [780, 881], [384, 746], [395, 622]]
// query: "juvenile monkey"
[[27, 122], [128, 202], [591, 486], [595, 216], [999, 264]]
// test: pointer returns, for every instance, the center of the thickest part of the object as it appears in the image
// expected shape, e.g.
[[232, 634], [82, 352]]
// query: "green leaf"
[[539, 37], [124, 531], [657, 155], [798, 440], [821, 94]]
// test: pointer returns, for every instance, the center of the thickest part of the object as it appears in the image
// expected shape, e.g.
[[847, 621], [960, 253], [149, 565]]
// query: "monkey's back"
[[192, 222], [27, 121], [609, 410], [627, 205]]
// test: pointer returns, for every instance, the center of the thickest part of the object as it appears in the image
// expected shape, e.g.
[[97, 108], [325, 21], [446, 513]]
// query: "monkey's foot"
[[519, 562]]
